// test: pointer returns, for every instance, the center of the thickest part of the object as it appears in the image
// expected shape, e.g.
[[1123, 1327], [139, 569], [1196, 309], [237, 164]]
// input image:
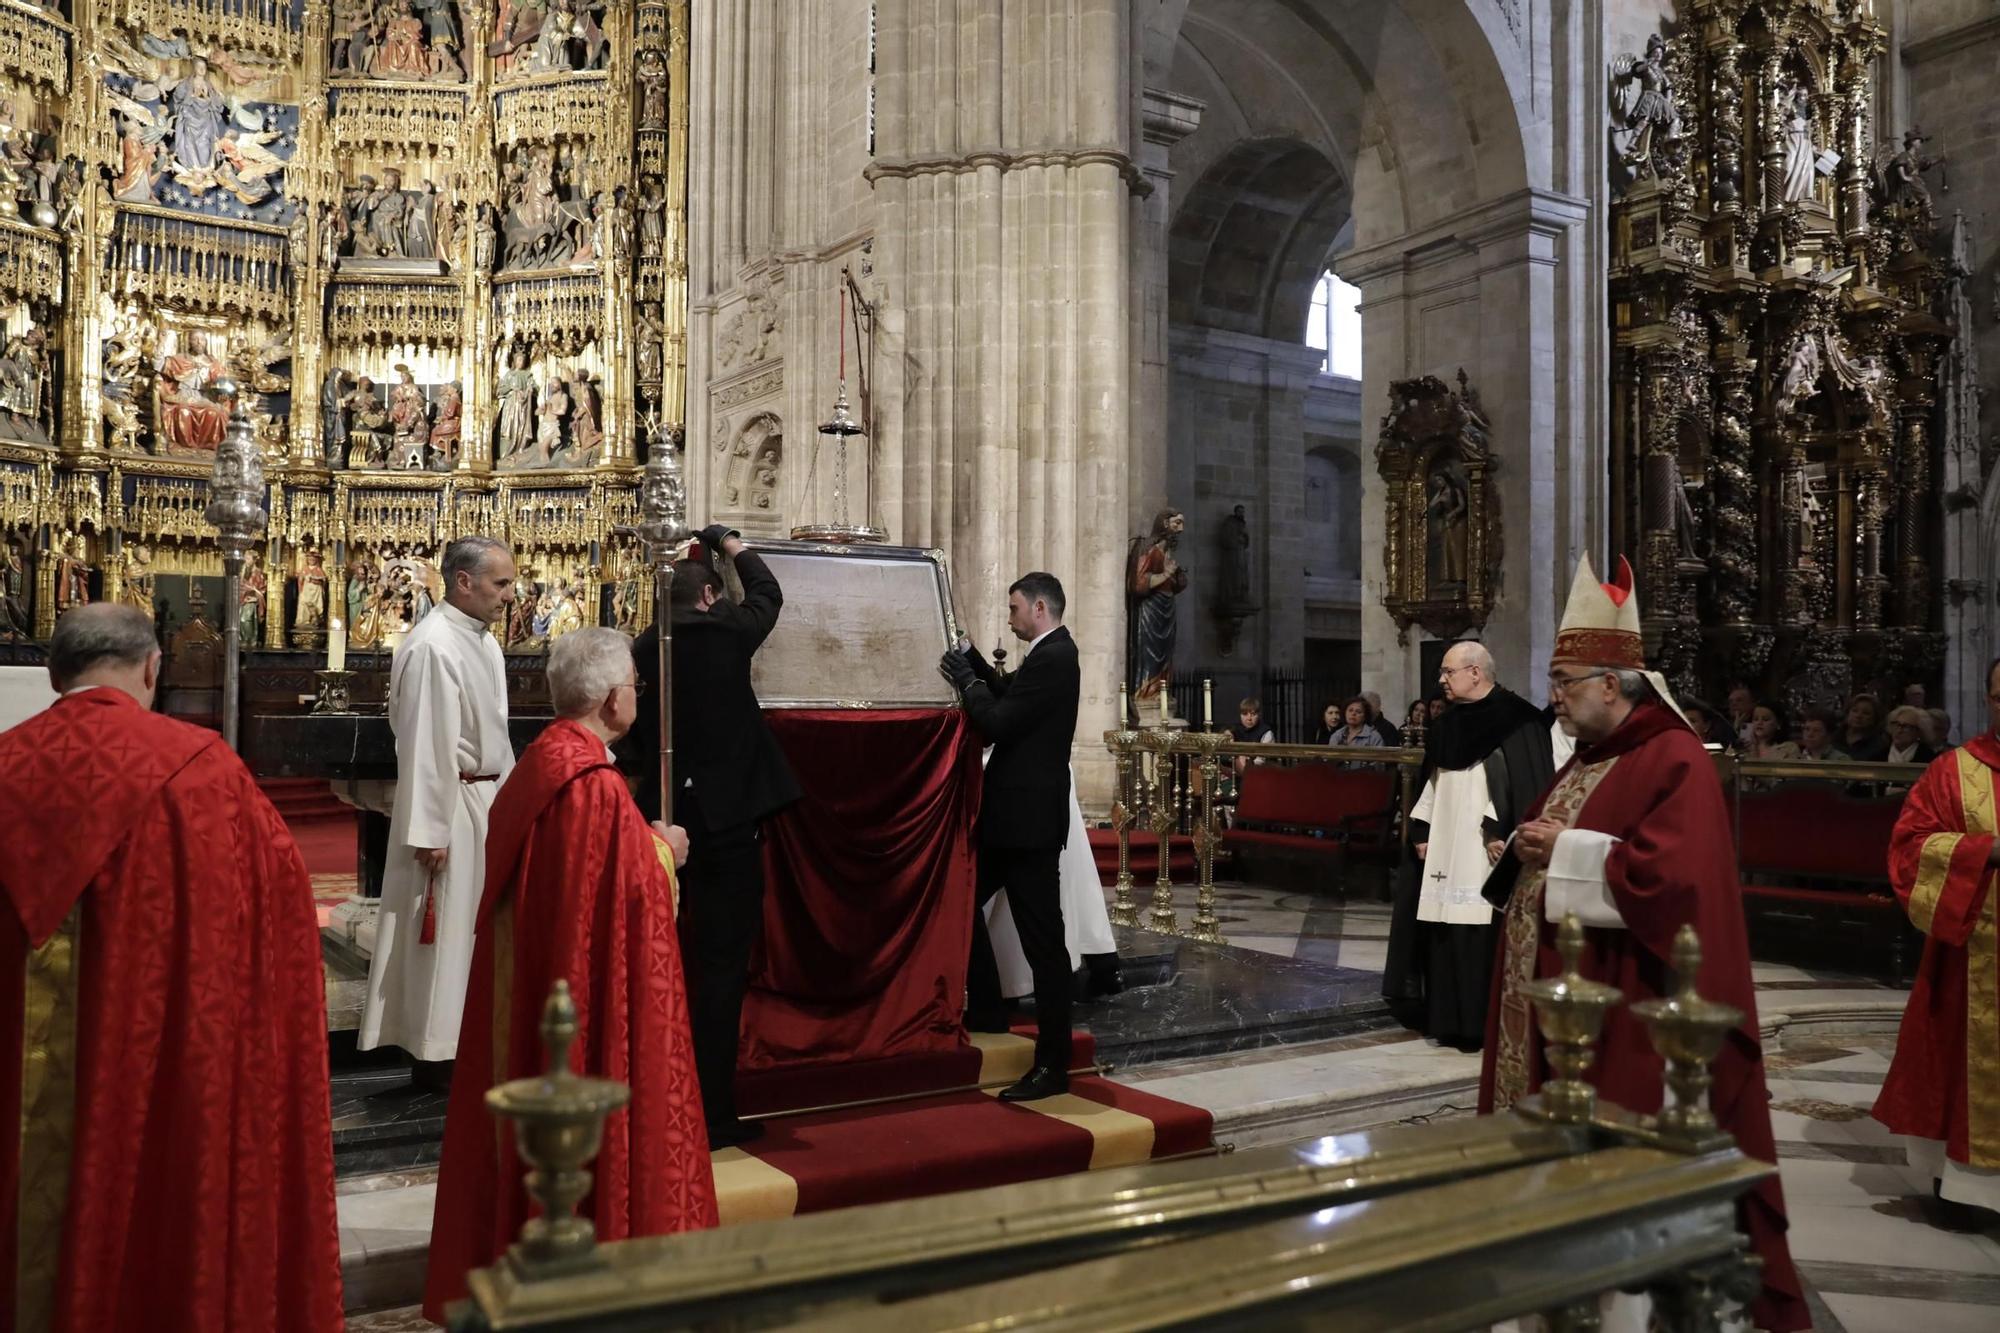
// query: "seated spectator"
[[1415, 722], [1863, 738], [1710, 725], [1742, 703], [1907, 744], [1329, 725], [1390, 735], [1770, 728], [1913, 695], [1816, 738], [1250, 729], [1938, 734], [1435, 708], [1358, 730]]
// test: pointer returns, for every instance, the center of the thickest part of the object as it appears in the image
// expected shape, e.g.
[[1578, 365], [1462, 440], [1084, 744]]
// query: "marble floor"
[[1875, 1253]]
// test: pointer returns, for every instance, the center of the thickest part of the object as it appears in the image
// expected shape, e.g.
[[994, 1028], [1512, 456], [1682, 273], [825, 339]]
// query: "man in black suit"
[[1024, 818], [731, 775]]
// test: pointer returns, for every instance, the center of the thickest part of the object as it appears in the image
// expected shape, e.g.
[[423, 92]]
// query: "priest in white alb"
[[1486, 758], [448, 708]]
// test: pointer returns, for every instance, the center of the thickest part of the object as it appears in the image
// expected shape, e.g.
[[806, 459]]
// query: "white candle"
[[336, 645]]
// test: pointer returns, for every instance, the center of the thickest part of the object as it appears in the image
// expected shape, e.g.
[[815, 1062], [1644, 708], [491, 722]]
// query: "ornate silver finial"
[[1570, 1010], [663, 498], [236, 508]]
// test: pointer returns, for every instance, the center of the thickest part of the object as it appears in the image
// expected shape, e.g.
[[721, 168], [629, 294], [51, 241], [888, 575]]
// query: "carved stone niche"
[[1441, 547], [751, 458]]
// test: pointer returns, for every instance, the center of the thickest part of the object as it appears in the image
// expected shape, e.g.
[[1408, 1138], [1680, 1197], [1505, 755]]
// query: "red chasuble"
[[1944, 1082], [168, 1157], [1652, 786], [576, 888]]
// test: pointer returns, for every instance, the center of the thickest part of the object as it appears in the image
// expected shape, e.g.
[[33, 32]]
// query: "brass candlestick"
[[333, 692], [1570, 1010], [1688, 1032], [1162, 917], [559, 1125], [1207, 927], [1124, 906]]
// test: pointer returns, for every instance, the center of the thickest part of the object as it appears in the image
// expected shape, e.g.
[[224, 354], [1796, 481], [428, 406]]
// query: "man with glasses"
[[579, 890], [1633, 838], [1485, 759]]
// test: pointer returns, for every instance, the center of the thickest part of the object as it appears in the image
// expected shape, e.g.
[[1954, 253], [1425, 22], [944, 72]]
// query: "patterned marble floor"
[[1876, 1255]]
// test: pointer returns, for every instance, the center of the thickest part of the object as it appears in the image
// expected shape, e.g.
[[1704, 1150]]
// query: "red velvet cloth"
[[870, 876], [574, 891], [198, 1193]]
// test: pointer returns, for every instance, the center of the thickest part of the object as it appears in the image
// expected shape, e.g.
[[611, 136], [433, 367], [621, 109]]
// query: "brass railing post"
[[1124, 907], [1206, 927], [1162, 918]]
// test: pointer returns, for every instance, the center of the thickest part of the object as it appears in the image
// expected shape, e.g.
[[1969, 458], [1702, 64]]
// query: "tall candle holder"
[[1121, 740], [1162, 917], [236, 508]]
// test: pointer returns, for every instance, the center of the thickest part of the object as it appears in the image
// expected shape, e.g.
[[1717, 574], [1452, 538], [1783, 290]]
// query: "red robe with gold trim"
[[163, 1018], [576, 888], [1944, 1082], [1651, 785]]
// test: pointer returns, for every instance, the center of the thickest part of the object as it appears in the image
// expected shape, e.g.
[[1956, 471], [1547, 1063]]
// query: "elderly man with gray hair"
[[152, 895], [578, 889], [448, 709]]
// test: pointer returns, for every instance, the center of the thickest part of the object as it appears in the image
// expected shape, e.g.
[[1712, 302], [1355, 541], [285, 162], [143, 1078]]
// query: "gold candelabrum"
[[1160, 741], [1570, 1010], [1688, 1032], [1125, 760], [559, 1126], [1205, 746]]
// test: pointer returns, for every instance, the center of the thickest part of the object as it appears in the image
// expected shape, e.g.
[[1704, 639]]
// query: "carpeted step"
[[299, 798], [985, 1058], [955, 1141]]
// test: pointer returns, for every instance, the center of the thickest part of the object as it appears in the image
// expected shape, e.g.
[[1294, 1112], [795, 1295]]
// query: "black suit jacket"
[[1031, 719], [721, 740]]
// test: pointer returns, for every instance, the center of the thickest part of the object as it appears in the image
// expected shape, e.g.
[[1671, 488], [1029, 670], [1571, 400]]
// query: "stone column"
[[1003, 190], [1165, 119]]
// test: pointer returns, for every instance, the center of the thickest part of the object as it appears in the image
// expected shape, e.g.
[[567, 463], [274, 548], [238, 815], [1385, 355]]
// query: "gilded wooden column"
[[1733, 489], [1914, 484], [1659, 484], [86, 233], [616, 202], [479, 166]]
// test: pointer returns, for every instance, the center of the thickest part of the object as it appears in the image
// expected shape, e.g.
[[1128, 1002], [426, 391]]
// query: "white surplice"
[[1086, 921], [448, 708], [1453, 803]]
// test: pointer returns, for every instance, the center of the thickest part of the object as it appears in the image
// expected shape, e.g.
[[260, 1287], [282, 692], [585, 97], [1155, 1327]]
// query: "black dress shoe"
[[1103, 981], [993, 1022], [734, 1132], [1042, 1081]]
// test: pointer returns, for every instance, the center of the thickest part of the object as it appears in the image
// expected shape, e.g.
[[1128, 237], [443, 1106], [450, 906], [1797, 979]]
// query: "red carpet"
[[321, 823], [940, 1142]]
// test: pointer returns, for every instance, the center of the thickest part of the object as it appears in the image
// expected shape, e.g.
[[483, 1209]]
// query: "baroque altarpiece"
[[440, 246], [1781, 296]]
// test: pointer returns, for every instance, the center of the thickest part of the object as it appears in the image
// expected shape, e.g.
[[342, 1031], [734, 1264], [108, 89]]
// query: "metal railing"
[[1167, 781]]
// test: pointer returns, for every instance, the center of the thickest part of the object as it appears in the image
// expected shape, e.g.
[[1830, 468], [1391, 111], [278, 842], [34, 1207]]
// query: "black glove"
[[957, 670], [712, 538]]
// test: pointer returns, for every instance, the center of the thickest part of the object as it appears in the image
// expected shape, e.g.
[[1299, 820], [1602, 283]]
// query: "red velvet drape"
[[871, 877]]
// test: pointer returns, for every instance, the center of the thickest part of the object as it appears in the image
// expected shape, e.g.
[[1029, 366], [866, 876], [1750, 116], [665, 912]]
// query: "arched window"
[[1334, 327]]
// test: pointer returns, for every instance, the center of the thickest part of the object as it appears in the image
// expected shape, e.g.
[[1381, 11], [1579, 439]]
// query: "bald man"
[[1486, 759], [172, 1108]]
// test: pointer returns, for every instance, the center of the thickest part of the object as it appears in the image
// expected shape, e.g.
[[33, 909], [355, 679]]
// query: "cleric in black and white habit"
[[1486, 759]]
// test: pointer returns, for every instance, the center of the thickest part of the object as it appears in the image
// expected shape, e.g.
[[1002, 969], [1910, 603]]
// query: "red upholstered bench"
[[1830, 852], [1316, 808]]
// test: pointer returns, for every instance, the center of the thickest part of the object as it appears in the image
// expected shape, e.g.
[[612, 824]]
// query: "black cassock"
[[1437, 977]]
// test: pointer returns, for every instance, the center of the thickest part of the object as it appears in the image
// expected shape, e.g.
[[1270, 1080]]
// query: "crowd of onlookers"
[[1754, 728]]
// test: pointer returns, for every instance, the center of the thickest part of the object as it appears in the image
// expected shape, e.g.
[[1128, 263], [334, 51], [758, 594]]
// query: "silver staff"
[[236, 508], [663, 501]]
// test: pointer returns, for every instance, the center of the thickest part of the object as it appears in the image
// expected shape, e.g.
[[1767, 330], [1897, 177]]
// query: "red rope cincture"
[[429, 933]]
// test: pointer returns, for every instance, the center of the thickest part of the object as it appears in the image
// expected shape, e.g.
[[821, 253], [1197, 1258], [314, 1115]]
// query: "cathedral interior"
[[1363, 320]]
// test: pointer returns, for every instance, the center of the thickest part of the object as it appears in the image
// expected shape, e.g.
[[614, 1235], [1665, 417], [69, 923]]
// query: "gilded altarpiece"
[[1777, 291], [1441, 545], [441, 246]]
